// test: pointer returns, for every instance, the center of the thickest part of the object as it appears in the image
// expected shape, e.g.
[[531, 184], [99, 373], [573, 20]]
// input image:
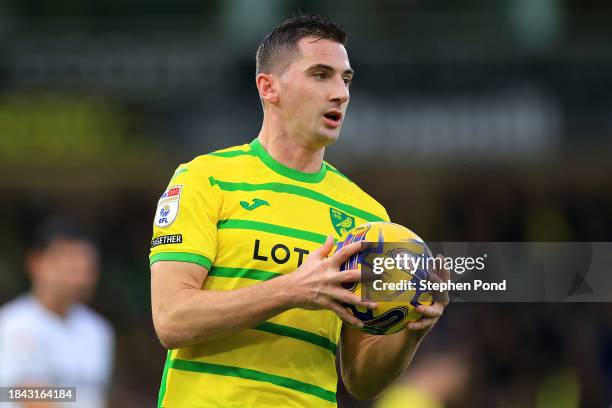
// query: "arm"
[[370, 363], [184, 314]]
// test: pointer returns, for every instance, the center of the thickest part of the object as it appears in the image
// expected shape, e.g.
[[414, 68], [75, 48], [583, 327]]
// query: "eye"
[[347, 81], [320, 75]]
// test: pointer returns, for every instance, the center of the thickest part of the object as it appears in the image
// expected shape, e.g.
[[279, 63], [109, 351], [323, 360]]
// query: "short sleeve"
[[185, 224]]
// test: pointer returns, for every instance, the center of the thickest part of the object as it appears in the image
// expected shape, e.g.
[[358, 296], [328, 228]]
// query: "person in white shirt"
[[48, 337]]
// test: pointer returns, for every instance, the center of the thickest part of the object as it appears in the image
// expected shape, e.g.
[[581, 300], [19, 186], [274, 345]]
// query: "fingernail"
[[360, 325], [373, 305]]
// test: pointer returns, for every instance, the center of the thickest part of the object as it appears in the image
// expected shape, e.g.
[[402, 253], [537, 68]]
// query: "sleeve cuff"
[[181, 257]]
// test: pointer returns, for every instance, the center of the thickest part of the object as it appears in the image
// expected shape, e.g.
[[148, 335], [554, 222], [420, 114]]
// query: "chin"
[[328, 138]]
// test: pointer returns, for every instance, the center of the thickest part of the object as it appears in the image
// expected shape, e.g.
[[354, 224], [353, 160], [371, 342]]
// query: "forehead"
[[322, 51]]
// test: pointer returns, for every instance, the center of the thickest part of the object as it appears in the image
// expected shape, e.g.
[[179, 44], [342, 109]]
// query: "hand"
[[432, 313], [317, 283]]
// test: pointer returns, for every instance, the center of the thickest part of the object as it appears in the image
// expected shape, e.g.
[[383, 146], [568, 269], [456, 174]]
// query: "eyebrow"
[[325, 67]]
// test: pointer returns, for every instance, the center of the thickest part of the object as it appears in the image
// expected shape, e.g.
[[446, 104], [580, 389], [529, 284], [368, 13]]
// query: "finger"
[[352, 275], [346, 296], [440, 274], [433, 277], [322, 251], [355, 275], [422, 323], [344, 314], [443, 273], [434, 310], [345, 253], [441, 297]]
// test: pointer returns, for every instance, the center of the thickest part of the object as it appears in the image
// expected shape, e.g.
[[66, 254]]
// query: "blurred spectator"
[[431, 382], [47, 336], [560, 389]]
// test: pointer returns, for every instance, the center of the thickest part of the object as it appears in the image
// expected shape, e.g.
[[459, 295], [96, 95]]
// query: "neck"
[[51, 303], [289, 150]]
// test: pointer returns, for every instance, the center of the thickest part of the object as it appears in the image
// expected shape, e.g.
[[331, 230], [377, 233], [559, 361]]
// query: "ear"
[[267, 85]]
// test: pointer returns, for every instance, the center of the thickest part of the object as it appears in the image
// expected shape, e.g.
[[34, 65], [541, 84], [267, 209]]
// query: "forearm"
[[195, 315], [380, 361], [184, 314]]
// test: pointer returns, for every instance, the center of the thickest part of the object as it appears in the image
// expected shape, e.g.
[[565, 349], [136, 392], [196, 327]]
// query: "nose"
[[340, 92]]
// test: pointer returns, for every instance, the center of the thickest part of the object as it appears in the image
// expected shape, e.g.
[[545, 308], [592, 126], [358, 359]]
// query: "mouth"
[[333, 118]]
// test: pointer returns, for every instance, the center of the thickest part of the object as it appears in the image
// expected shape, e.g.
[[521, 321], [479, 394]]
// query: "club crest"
[[341, 221]]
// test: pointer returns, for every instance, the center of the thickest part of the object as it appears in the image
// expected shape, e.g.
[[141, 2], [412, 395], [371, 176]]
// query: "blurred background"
[[470, 121]]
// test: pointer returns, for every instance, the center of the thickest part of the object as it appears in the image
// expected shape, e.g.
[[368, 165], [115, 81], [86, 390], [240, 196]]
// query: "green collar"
[[283, 170]]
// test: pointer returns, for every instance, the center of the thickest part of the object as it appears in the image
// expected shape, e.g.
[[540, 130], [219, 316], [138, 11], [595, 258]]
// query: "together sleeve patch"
[[167, 239]]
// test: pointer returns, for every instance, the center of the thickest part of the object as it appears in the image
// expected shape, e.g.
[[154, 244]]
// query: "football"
[[384, 243]]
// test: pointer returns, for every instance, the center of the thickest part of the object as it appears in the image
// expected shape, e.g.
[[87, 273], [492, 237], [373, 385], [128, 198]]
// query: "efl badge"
[[168, 206], [342, 222]]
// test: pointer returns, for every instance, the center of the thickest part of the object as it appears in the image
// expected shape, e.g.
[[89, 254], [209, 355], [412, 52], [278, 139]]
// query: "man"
[[243, 293], [48, 337]]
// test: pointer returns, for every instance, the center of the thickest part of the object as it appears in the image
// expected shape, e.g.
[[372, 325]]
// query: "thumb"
[[322, 251]]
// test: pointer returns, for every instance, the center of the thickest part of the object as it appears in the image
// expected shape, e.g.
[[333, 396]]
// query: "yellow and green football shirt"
[[248, 218]]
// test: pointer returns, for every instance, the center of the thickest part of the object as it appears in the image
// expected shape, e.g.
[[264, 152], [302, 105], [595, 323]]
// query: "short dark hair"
[[281, 42], [59, 228]]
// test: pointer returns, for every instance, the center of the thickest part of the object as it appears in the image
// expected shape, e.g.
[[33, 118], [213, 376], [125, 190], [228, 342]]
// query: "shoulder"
[[23, 321], [201, 171], [364, 200], [218, 160], [20, 311]]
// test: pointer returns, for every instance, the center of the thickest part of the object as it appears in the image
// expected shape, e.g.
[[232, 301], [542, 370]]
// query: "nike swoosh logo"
[[256, 203]]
